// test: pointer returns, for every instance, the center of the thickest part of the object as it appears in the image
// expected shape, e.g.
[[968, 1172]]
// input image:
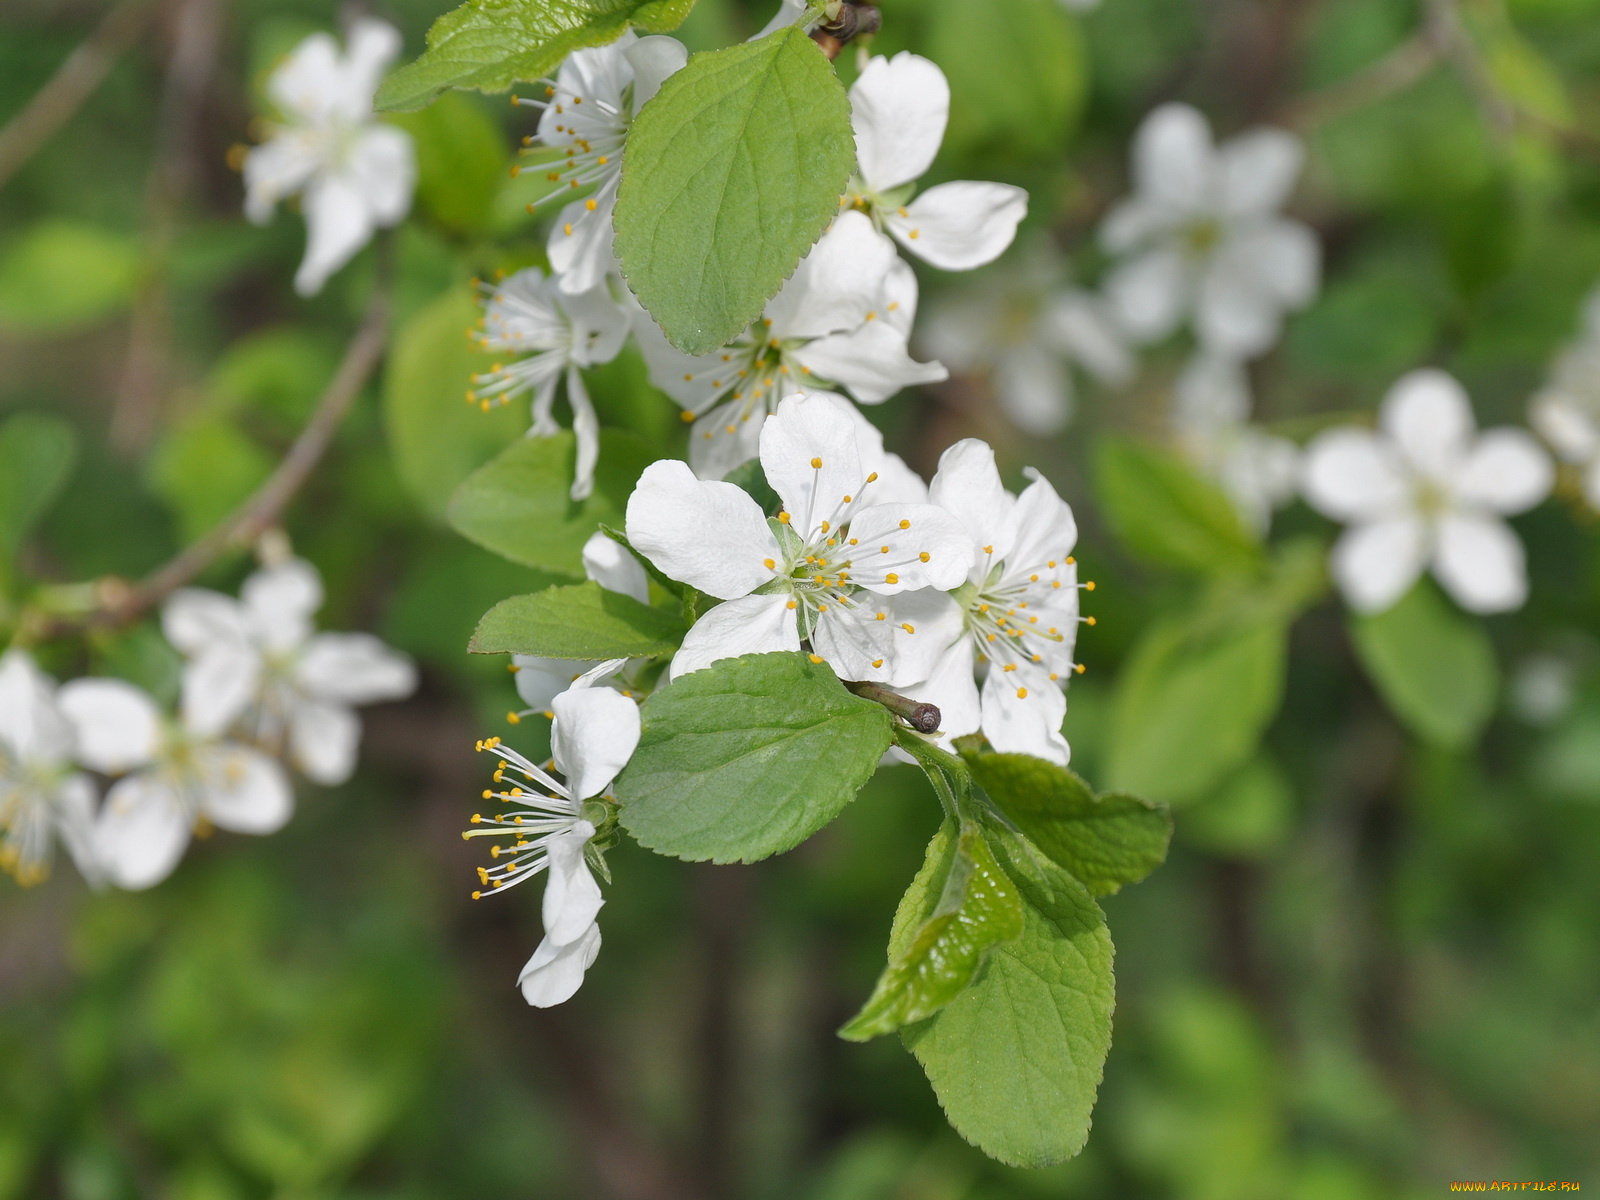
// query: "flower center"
[[1201, 237]]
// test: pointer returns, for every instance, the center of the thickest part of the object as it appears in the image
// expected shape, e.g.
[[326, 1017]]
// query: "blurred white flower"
[[842, 319], [1201, 237], [1211, 418], [258, 663], [1427, 491], [548, 824], [587, 112], [42, 795], [899, 108], [1566, 412], [541, 680], [1543, 687], [356, 173], [1016, 617], [824, 570], [183, 776], [560, 332], [1022, 330]]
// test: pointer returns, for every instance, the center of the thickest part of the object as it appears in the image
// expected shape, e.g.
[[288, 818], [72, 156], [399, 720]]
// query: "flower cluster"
[[260, 688]]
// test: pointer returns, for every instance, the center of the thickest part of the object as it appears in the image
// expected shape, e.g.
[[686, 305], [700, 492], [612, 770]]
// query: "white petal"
[[1428, 415], [141, 833], [958, 226], [653, 59], [541, 680], [837, 283], [1149, 293], [872, 361], [926, 547], [555, 973], [245, 791], [370, 46], [1353, 475], [1376, 563], [1249, 282], [1034, 388], [383, 168], [280, 601], [310, 82], [853, 642], [116, 724], [1284, 257], [1480, 562], [194, 619], [898, 107], [749, 625], [1080, 326], [726, 437], [896, 482], [277, 168], [1134, 221], [75, 801], [594, 735], [952, 689], [323, 741], [936, 621], [585, 432], [580, 245], [1212, 392], [1573, 433], [809, 455], [1046, 530], [611, 566], [218, 685], [1022, 714], [338, 223], [967, 485], [354, 668], [1259, 170], [31, 726], [709, 535], [599, 325], [1506, 472], [572, 898], [1174, 162]]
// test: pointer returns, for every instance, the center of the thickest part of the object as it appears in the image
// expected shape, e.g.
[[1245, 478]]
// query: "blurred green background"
[[1371, 965]]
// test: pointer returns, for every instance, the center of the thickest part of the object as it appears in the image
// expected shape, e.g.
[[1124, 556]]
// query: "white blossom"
[[43, 797], [176, 777], [1022, 331], [899, 108], [257, 663], [541, 680], [1566, 413], [548, 824], [1015, 619], [355, 173], [1202, 237], [826, 570], [588, 109], [1211, 418], [1427, 491], [560, 332], [842, 319]]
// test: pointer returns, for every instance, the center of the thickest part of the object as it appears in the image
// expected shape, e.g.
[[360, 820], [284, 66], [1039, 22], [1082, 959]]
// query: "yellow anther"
[[603, 159], [1022, 693], [590, 204], [1033, 579], [923, 556], [913, 234], [513, 718], [686, 416], [513, 668], [826, 527], [877, 662], [1089, 587], [816, 464], [822, 608], [905, 524], [1090, 621], [1079, 668], [891, 577], [487, 794], [1009, 667], [816, 658], [477, 818], [882, 616], [567, 228], [909, 628], [768, 563], [789, 605], [873, 478], [783, 518], [1070, 560]]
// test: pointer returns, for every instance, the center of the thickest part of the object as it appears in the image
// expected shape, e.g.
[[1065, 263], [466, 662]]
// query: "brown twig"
[[120, 604], [75, 80], [1403, 66], [924, 718]]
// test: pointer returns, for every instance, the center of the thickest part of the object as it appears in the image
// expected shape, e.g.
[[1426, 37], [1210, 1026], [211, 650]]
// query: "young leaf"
[[492, 44], [1434, 667], [747, 758], [582, 620], [1192, 703], [1105, 841], [436, 439], [519, 507], [36, 456], [732, 172], [1016, 1058], [1164, 511], [978, 908]]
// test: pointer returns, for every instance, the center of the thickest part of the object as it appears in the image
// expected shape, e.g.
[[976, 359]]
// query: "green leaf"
[[36, 457], [437, 439], [519, 506], [1016, 1058], [1162, 510], [492, 44], [1434, 667], [978, 908], [1192, 703], [1105, 841], [61, 276], [732, 173], [461, 162], [1249, 816], [581, 620], [747, 758]]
